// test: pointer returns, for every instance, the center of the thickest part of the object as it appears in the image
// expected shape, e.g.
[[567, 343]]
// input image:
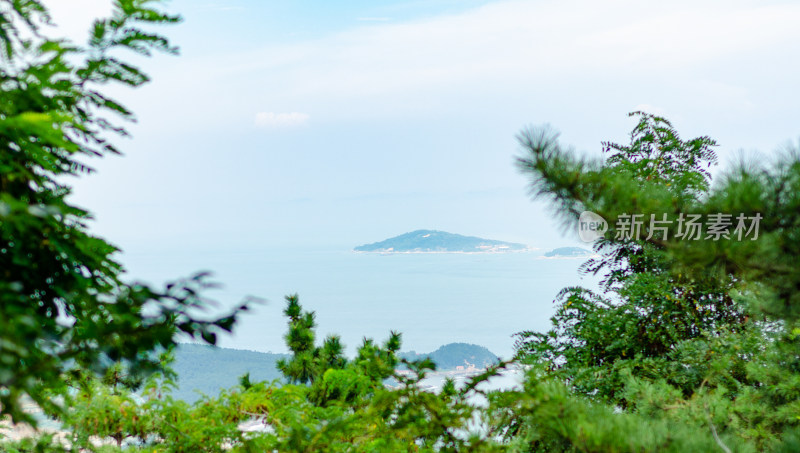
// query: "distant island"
[[568, 252], [432, 241]]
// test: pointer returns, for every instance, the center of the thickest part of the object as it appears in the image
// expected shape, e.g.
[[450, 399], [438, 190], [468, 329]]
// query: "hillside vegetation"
[[204, 369]]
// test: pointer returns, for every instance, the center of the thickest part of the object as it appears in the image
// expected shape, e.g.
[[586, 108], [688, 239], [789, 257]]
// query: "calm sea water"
[[433, 299]]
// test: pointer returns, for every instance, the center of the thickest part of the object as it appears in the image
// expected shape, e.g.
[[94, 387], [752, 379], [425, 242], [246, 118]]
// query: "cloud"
[[499, 45], [526, 60], [276, 120]]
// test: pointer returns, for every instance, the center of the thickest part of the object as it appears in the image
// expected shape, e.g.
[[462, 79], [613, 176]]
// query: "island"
[[568, 252], [433, 241], [456, 356]]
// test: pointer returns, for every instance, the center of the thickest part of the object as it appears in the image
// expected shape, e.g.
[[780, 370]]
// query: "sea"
[[432, 299]]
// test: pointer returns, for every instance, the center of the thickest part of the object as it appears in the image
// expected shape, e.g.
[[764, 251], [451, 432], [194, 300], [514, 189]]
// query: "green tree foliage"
[[344, 406], [331, 376], [308, 361], [687, 340], [644, 310], [63, 304]]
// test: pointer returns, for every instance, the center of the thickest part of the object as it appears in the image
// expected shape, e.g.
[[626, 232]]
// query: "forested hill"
[[453, 355], [432, 241], [209, 369], [568, 252]]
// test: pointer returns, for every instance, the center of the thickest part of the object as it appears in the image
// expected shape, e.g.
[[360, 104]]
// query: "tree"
[[688, 339], [63, 303], [325, 368], [308, 361], [644, 311]]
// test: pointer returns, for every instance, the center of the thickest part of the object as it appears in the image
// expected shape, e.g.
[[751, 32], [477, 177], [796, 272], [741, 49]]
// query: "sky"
[[340, 123], [326, 125]]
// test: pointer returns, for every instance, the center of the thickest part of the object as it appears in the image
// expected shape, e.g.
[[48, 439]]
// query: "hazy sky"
[[338, 123], [333, 124]]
